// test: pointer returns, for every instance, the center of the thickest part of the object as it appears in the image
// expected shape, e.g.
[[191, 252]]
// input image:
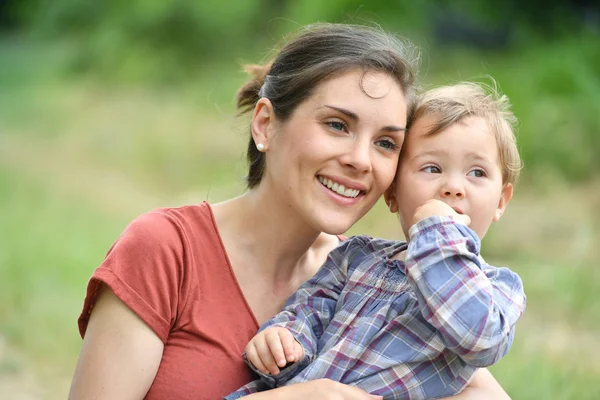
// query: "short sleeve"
[[144, 268]]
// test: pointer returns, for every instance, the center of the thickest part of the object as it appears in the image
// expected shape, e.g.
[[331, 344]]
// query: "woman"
[[171, 308]]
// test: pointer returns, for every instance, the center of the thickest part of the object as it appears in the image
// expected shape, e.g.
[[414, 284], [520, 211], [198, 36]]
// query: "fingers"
[[345, 392], [324, 389], [354, 393], [259, 354], [272, 349], [299, 350], [275, 345], [264, 352], [292, 349], [464, 218], [254, 358], [437, 207], [359, 394]]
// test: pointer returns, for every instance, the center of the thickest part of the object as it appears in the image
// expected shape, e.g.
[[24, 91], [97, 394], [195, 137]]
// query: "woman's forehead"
[[357, 90]]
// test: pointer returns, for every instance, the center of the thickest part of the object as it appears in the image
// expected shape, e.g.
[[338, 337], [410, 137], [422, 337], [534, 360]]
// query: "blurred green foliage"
[[108, 109], [547, 59], [554, 88]]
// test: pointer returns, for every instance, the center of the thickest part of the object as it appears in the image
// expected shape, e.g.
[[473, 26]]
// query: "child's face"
[[459, 166]]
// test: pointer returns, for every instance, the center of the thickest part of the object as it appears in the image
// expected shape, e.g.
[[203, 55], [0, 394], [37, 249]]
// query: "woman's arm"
[[483, 386], [120, 353], [321, 389]]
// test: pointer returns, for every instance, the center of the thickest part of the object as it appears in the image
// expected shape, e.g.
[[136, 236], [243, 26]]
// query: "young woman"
[[182, 291]]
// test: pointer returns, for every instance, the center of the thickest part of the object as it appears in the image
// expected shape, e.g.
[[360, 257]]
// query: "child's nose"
[[453, 189]]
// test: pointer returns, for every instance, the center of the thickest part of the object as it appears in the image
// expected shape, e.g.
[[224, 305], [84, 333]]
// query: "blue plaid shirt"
[[405, 330]]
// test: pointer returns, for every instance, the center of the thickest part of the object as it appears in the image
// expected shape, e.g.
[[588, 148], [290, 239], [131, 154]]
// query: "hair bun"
[[248, 94]]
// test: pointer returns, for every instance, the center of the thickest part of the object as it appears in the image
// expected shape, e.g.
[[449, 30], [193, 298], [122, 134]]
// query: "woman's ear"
[[390, 198], [507, 193], [262, 121]]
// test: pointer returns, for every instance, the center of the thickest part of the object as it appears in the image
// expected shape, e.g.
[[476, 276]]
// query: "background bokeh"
[[111, 108]]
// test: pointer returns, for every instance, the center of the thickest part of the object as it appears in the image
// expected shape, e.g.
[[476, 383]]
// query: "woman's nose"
[[358, 156]]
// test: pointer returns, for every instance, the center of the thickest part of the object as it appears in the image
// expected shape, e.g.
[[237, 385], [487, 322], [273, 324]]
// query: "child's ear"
[[390, 198], [262, 121], [505, 197]]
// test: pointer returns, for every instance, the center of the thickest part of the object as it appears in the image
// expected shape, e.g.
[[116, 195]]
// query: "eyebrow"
[[471, 154], [354, 117]]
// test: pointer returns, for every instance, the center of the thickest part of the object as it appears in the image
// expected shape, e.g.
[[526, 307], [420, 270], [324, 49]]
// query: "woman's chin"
[[337, 223]]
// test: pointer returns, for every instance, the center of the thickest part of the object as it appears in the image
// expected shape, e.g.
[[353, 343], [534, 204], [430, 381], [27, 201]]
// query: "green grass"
[[50, 245], [540, 377]]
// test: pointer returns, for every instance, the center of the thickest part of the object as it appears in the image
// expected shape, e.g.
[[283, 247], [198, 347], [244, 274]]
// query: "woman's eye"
[[432, 169], [387, 144], [477, 173], [337, 125]]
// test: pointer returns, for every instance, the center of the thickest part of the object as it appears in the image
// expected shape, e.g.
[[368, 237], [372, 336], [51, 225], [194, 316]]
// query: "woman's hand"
[[320, 389], [120, 353], [483, 386]]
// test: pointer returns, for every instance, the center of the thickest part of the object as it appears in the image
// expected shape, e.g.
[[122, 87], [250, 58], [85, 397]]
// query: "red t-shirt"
[[170, 267]]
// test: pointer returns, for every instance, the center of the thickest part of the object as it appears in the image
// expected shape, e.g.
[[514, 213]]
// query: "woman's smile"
[[339, 188]]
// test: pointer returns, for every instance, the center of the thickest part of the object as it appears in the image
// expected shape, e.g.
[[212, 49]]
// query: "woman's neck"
[[270, 235]]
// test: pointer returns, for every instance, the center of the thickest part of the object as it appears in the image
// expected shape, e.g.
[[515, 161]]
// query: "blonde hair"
[[451, 104]]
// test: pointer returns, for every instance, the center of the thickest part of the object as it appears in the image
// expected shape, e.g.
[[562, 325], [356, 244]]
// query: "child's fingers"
[[298, 350], [464, 218], [264, 352], [290, 346], [252, 355], [276, 347]]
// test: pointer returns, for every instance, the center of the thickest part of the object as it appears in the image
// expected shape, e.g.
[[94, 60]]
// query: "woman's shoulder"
[[165, 222], [171, 235], [178, 214], [153, 265]]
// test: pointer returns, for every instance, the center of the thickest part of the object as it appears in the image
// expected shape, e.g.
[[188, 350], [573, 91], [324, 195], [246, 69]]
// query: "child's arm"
[[310, 309], [473, 306]]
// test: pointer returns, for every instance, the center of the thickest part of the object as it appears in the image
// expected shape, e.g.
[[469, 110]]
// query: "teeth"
[[339, 188]]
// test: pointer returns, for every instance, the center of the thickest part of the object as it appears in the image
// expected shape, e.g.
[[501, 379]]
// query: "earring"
[[260, 147]]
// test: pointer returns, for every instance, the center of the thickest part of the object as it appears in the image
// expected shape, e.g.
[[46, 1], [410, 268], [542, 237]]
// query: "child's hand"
[[272, 349], [436, 207]]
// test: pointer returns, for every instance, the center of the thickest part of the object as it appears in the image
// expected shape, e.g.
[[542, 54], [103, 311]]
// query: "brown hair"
[[451, 104], [314, 54]]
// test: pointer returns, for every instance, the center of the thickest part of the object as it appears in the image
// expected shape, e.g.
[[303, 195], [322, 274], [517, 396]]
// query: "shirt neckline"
[[397, 248], [228, 262]]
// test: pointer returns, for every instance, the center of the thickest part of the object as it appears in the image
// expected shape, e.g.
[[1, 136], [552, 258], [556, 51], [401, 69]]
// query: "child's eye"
[[387, 144], [477, 173], [337, 125], [432, 169]]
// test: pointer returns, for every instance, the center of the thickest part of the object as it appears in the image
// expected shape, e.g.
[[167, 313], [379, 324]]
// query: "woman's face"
[[338, 152]]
